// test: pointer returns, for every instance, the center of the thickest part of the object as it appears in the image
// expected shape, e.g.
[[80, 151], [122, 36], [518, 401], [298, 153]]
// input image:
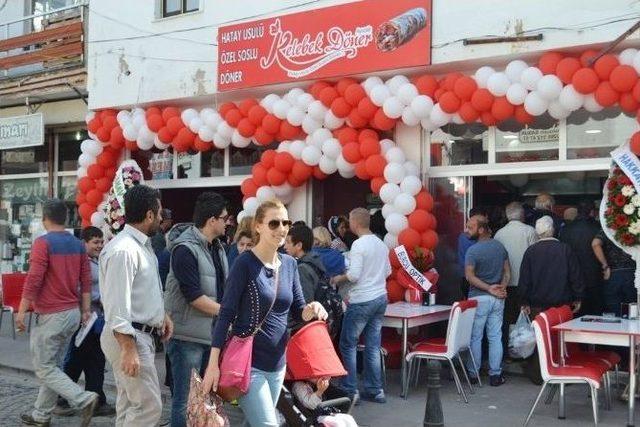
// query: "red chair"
[[552, 373], [12, 287]]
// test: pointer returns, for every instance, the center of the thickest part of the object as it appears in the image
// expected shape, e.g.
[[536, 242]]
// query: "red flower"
[[612, 184], [620, 200], [622, 220], [624, 180], [628, 239], [617, 171], [609, 211]]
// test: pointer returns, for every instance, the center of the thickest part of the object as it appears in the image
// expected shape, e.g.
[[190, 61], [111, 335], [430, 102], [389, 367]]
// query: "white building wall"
[[54, 113]]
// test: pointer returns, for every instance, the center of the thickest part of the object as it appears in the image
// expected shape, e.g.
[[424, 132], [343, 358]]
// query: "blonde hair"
[[245, 226], [361, 216], [322, 235], [261, 212]]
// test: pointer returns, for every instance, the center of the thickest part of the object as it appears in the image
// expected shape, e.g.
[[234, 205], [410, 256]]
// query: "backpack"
[[326, 295]]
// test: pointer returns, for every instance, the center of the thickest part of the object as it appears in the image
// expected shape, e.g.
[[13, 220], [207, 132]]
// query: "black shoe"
[[496, 380], [378, 398], [473, 380], [27, 420], [104, 410]]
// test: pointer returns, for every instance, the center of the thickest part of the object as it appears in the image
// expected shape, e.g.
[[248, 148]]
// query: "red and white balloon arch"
[[336, 127]]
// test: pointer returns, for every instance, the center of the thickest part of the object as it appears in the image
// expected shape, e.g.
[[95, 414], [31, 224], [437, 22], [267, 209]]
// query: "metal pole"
[[433, 416]]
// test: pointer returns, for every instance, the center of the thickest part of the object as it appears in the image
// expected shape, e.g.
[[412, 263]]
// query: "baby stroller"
[[310, 355]]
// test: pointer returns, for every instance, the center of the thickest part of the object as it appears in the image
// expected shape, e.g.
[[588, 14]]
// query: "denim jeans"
[[488, 317], [184, 356], [364, 318], [259, 404], [619, 289]]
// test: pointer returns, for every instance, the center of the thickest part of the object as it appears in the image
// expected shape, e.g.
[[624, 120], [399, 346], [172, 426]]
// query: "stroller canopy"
[[310, 354]]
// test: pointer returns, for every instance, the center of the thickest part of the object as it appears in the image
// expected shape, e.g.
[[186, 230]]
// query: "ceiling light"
[[593, 131]]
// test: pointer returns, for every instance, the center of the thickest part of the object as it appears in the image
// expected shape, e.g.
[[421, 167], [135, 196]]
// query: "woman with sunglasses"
[[249, 293]]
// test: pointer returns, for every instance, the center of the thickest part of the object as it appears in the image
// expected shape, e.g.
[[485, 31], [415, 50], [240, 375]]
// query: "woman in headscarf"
[[338, 226]]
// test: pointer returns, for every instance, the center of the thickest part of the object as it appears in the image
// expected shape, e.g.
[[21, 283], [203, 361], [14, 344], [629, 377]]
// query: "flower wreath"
[[127, 176]]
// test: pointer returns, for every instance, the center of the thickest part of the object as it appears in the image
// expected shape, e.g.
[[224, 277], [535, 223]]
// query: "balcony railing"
[[44, 42]]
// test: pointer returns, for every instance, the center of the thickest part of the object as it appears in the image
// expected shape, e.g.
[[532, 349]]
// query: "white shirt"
[[130, 282], [516, 237], [368, 269]]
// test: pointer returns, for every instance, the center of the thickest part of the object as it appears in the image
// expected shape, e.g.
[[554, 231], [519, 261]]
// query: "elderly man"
[[544, 206], [516, 237], [549, 277]]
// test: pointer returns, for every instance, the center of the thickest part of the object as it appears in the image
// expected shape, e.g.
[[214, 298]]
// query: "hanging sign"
[[353, 38], [21, 131], [405, 261]]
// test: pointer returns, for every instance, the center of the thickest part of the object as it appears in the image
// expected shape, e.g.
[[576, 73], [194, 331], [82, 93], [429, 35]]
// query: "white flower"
[[634, 228], [635, 200], [628, 191], [629, 209]]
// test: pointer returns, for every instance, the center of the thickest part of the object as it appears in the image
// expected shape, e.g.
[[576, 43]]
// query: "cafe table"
[[406, 315]]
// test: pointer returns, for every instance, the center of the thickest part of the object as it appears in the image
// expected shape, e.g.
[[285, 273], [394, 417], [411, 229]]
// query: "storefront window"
[[161, 165], [25, 160], [540, 141], [243, 159], [69, 149], [21, 203], [593, 135], [459, 145], [67, 193], [212, 163], [143, 158], [189, 165]]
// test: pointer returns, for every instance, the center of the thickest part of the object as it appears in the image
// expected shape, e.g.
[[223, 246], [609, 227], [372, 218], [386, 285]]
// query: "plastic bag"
[[522, 339], [204, 410]]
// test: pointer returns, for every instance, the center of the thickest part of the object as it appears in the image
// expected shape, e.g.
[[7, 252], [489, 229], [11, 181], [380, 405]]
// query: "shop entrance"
[[182, 200]]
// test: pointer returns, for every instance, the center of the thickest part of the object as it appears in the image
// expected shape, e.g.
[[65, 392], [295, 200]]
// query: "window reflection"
[[593, 135], [459, 145], [518, 143]]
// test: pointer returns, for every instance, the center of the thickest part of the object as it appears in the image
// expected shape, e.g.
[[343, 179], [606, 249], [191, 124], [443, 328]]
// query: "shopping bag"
[[204, 409], [522, 339]]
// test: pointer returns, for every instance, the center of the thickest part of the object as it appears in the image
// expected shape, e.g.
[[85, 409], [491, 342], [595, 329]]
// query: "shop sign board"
[[21, 131], [551, 135], [352, 38]]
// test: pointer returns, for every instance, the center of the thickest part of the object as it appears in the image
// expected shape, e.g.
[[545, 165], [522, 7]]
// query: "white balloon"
[[281, 108], [221, 141], [268, 101], [225, 130], [332, 148], [207, 112], [395, 82], [250, 206], [296, 148], [428, 125], [395, 223], [439, 117], [405, 203], [482, 75], [389, 192], [304, 100], [293, 94], [159, 144], [411, 169], [411, 184], [213, 120], [557, 111], [343, 164], [591, 105], [327, 165], [514, 70], [239, 141], [240, 215], [516, 94], [205, 133], [627, 56], [310, 125], [321, 135], [388, 209], [97, 219], [284, 147], [188, 115], [379, 94], [282, 190], [395, 155], [385, 145], [91, 147], [457, 119], [392, 107], [123, 116], [317, 110], [391, 240], [144, 143], [331, 121], [498, 84], [421, 106], [265, 193], [407, 93], [86, 160], [394, 172], [311, 155], [346, 173], [549, 87], [409, 118], [130, 132], [195, 124], [530, 77], [81, 172], [535, 105], [296, 116], [89, 116], [371, 82], [571, 99], [138, 121]]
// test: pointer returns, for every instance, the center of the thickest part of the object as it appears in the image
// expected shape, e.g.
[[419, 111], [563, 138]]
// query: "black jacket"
[[578, 235]]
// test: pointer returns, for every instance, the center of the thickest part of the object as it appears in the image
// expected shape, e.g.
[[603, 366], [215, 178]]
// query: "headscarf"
[[333, 226]]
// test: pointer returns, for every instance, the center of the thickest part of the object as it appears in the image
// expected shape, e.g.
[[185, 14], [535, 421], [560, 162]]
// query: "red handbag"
[[235, 367]]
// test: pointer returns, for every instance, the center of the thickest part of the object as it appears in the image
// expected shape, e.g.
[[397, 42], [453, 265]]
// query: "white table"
[[410, 315], [623, 334]]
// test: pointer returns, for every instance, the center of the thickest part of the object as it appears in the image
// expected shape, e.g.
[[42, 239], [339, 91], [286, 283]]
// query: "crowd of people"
[[184, 287], [535, 261]]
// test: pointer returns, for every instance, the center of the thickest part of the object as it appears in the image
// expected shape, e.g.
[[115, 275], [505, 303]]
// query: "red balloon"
[[169, 112], [606, 95], [94, 197], [585, 57], [628, 103], [369, 147], [109, 122], [95, 171], [382, 122], [361, 170], [233, 117], [549, 62], [80, 199], [262, 137], [449, 102], [271, 124], [318, 174], [268, 158], [376, 184], [185, 137], [275, 177], [226, 107], [248, 187], [367, 134], [585, 81], [427, 85], [246, 106], [256, 114], [482, 100], [635, 144], [351, 152], [636, 91], [165, 135], [468, 113], [116, 140], [103, 134], [343, 84], [429, 239], [623, 78], [340, 107], [103, 184], [522, 116], [201, 146], [174, 124], [410, 238], [327, 95], [86, 210], [366, 108], [566, 69], [424, 201], [94, 125], [259, 174], [288, 131], [450, 80], [375, 165], [317, 87], [605, 65], [395, 291], [502, 109], [284, 162], [106, 159], [356, 120], [152, 111], [419, 220], [132, 145], [464, 88], [354, 94], [246, 128], [301, 172], [394, 261], [346, 135], [86, 184], [488, 119]]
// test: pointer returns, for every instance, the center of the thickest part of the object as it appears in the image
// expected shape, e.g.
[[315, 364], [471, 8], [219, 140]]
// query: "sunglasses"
[[275, 223]]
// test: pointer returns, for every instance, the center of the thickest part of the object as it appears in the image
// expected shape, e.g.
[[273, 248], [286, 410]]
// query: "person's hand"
[[526, 310], [314, 310], [211, 378], [130, 363], [85, 317], [606, 273], [498, 291], [322, 385], [575, 307], [167, 328], [20, 326], [336, 280]]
